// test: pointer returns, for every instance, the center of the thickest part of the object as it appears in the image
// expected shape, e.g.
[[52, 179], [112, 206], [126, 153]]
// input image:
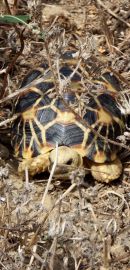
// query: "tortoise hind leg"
[[107, 171]]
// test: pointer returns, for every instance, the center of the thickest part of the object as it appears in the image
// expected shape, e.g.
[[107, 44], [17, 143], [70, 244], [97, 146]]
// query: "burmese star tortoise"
[[84, 124]]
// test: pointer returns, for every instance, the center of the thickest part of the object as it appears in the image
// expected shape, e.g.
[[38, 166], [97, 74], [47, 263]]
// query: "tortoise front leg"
[[35, 165], [107, 171]]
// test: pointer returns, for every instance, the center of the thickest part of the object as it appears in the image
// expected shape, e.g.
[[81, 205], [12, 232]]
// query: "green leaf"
[[14, 19]]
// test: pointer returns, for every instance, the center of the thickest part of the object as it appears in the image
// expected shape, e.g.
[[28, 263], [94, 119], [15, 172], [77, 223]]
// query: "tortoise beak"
[[67, 161]]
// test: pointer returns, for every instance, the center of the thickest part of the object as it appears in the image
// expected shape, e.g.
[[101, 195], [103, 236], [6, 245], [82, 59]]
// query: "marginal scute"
[[27, 153], [90, 138], [19, 149], [36, 148], [28, 134]]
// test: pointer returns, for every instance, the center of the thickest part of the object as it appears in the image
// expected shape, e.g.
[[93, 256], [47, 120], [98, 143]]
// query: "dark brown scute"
[[26, 101], [66, 71], [112, 80], [67, 135], [109, 104], [31, 76], [90, 116], [44, 86], [45, 116]]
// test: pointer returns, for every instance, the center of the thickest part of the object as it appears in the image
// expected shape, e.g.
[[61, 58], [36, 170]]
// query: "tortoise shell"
[[46, 117]]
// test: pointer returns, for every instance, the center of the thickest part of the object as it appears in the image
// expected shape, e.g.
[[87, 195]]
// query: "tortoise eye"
[[69, 162]]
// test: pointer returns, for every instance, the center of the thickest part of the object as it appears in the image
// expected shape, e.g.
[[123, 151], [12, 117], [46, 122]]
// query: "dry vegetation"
[[62, 226]]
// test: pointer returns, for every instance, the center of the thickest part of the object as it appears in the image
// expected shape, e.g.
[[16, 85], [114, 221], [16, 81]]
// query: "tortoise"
[[45, 117]]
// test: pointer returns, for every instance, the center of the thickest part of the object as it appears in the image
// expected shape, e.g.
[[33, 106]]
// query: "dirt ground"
[[80, 223]]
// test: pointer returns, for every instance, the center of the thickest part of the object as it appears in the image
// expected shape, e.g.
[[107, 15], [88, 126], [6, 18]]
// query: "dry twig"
[[112, 13], [51, 175], [12, 63]]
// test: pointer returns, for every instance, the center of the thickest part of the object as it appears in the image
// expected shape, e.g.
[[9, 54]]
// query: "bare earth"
[[80, 223]]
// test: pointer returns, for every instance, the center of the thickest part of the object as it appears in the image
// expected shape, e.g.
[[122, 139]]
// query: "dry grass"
[[62, 225]]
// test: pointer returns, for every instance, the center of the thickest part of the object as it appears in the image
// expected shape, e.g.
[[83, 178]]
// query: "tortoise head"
[[67, 161]]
